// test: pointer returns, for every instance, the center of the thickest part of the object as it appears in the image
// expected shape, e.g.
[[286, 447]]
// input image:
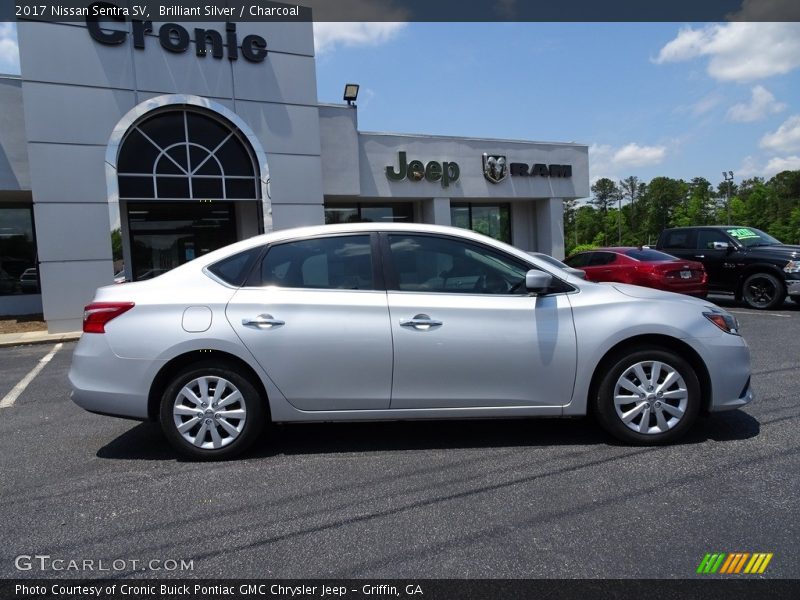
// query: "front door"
[[317, 322], [466, 332]]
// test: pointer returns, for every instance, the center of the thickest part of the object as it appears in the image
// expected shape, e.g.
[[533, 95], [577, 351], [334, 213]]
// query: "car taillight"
[[97, 314]]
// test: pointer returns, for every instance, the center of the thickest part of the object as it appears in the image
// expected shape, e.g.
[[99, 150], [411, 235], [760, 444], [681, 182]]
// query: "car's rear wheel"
[[211, 412], [763, 291], [648, 396]]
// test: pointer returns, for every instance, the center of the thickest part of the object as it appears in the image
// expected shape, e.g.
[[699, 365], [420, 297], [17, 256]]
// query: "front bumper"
[[727, 360], [793, 287]]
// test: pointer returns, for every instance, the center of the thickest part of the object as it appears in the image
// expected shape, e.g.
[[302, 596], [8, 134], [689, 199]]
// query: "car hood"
[[783, 250], [646, 293]]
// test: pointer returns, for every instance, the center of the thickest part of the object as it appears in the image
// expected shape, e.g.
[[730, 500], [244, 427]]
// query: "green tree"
[[605, 194]]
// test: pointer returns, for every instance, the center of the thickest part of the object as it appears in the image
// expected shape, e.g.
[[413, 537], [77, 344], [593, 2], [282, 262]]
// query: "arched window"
[[188, 155]]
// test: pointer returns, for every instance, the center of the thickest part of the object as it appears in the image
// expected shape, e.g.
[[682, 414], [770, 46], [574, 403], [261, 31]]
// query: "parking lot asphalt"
[[506, 498]]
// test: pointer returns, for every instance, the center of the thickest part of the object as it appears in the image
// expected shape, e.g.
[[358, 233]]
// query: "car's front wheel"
[[648, 396], [211, 412]]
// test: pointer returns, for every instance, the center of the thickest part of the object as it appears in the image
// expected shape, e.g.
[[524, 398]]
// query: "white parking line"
[[741, 312], [12, 396]]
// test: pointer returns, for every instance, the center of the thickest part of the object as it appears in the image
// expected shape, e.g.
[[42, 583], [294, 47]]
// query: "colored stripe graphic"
[[733, 563], [710, 563]]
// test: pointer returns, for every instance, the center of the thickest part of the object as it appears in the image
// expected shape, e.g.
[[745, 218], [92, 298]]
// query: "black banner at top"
[[407, 10]]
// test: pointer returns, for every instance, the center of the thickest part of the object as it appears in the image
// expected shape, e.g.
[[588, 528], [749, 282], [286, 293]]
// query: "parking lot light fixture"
[[350, 93]]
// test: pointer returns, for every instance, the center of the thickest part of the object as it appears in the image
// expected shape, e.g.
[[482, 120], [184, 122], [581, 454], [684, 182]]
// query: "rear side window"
[[679, 239], [602, 258], [234, 269], [343, 263]]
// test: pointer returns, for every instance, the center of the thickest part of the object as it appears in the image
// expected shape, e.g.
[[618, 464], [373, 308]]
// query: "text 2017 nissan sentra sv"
[[374, 321]]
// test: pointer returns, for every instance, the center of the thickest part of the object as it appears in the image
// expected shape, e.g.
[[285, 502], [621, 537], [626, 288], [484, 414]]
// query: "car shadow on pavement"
[[146, 442]]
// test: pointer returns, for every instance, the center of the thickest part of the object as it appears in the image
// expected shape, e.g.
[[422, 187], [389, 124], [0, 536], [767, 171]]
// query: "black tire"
[[763, 291], [606, 411], [251, 401]]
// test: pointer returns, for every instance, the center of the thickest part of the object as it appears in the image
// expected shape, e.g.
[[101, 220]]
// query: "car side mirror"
[[538, 282], [721, 246]]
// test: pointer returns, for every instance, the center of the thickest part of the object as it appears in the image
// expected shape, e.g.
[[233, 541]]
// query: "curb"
[[50, 339]]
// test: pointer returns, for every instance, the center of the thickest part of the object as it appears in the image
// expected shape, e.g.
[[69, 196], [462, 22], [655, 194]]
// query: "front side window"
[[343, 263], [434, 264], [707, 237], [577, 261]]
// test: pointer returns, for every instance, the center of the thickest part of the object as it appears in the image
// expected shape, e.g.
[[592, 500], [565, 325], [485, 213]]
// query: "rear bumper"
[[104, 383]]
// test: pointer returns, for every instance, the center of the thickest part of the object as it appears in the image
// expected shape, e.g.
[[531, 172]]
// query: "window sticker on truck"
[[742, 233]]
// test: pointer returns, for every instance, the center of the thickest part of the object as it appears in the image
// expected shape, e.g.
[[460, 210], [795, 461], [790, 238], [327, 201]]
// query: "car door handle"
[[420, 322], [263, 322], [699, 255]]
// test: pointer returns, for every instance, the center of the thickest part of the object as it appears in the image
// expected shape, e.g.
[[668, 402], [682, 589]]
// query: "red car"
[[642, 266]]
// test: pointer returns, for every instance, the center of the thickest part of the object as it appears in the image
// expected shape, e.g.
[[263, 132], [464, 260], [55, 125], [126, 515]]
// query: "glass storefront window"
[[18, 270], [165, 235], [369, 213], [493, 220]]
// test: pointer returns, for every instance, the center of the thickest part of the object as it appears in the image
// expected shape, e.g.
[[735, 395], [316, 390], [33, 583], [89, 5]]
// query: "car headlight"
[[793, 266], [724, 320]]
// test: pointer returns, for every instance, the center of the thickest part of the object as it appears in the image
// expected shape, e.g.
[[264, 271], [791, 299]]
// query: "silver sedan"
[[378, 321]]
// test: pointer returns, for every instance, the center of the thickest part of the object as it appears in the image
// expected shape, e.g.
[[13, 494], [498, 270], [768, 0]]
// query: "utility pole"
[[728, 175]]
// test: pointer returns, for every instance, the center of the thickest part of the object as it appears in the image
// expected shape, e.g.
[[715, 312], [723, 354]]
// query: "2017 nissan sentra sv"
[[374, 321]]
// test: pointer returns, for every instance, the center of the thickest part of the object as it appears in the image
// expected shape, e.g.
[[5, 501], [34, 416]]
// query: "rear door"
[[314, 315], [466, 332]]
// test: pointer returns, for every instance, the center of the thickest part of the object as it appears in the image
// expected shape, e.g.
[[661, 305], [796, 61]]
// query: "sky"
[[649, 99]]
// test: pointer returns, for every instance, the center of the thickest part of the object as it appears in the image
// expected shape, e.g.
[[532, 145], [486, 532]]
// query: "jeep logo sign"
[[446, 172]]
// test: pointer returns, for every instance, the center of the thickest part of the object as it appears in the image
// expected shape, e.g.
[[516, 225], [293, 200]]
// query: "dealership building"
[[129, 148]]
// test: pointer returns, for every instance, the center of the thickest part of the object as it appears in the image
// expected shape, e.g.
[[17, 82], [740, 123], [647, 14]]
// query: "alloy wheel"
[[650, 397], [209, 412], [760, 291]]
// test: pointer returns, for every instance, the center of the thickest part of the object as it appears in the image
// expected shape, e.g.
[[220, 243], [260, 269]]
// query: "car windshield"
[[648, 255], [750, 237]]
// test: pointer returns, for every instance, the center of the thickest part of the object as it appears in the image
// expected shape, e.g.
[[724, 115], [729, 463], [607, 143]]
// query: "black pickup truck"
[[752, 265]]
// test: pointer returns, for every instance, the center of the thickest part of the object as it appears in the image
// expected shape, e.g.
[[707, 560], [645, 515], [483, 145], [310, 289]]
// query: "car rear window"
[[234, 269], [647, 255]]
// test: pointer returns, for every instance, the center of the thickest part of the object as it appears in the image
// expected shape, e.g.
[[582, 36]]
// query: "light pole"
[[728, 175]]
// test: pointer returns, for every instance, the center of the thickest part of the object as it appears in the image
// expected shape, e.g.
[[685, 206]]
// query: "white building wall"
[[75, 92]]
